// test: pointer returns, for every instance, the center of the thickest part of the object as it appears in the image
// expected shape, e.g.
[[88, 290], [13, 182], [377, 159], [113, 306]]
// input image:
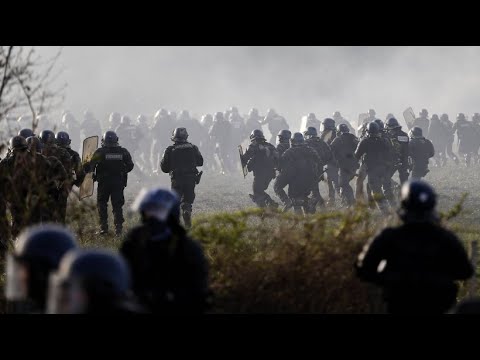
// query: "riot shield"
[[361, 119], [90, 144], [244, 167], [303, 124], [409, 117]]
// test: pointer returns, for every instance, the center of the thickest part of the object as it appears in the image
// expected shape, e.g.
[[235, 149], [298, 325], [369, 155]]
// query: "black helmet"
[[47, 137], [311, 132], [179, 134], [389, 116], [328, 124], [18, 143], [284, 135], [373, 128], [343, 128], [297, 139], [25, 133], [34, 144], [380, 123], [110, 138], [160, 204], [257, 134], [37, 253], [63, 138], [89, 281], [392, 123], [416, 132], [418, 200]]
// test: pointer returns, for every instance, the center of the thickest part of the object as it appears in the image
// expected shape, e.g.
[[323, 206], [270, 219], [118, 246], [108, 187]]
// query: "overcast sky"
[[292, 80]]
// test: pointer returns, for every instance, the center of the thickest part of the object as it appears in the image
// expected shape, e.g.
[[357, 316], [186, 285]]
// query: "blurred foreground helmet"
[[297, 139], [373, 128], [418, 197], [328, 124], [310, 133], [343, 128], [110, 138], [392, 123], [257, 134], [179, 134], [37, 253], [18, 143], [34, 144], [88, 281], [416, 132], [47, 137], [63, 138], [158, 203], [25, 133], [284, 135]]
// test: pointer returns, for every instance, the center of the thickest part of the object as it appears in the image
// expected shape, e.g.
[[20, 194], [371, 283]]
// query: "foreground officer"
[[91, 282], [170, 273], [180, 160], [37, 254], [418, 262], [261, 158], [111, 164]]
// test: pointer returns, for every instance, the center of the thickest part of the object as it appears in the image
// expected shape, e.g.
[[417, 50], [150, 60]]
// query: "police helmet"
[[158, 203], [25, 133], [424, 112], [461, 116], [179, 134], [371, 112], [416, 132], [110, 138], [435, 118], [297, 139], [328, 124], [47, 137], [444, 117], [392, 123], [343, 128], [63, 138], [311, 132], [37, 253], [18, 143], [373, 128], [380, 124], [284, 134], [34, 144], [88, 281], [418, 197], [257, 134]]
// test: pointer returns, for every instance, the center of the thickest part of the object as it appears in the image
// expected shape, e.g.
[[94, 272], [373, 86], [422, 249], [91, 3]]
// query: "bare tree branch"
[[5, 72]]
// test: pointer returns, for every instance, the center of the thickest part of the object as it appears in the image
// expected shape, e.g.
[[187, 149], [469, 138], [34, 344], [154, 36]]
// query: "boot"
[[187, 219]]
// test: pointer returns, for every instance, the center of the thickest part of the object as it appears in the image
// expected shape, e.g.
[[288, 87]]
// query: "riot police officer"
[[399, 140], [328, 134], [181, 160], [111, 164], [420, 150], [422, 122], [449, 138], [417, 263], [283, 142], [261, 158], [343, 149], [467, 137], [325, 156], [75, 177], [26, 133], [169, 269], [378, 154], [36, 255], [299, 165]]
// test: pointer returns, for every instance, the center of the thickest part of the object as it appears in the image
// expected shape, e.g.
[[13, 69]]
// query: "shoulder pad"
[[402, 138]]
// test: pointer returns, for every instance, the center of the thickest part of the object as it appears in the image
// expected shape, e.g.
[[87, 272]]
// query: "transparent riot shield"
[[409, 117], [90, 144]]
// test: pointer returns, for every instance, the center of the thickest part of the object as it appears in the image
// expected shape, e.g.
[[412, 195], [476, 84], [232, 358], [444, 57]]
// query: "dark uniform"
[[467, 137], [111, 164], [378, 158], [299, 164], [399, 140], [220, 133], [163, 125], [416, 263], [422, 122], [325, 156], [275, 123], [449, 138], [169, 269], [420, 150], [436, 134], [181, 160], [281, 180], [343, 149], [328, 135], [261, 158]]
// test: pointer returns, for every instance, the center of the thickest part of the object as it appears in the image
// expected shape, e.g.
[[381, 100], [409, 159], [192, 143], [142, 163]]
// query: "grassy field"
[[272, 262]]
